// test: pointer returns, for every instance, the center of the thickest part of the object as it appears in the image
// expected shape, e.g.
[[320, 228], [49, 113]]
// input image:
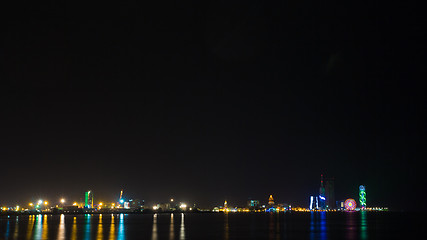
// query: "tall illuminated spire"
[[321, 180], [322, 198], [322, 188], [362, 196]]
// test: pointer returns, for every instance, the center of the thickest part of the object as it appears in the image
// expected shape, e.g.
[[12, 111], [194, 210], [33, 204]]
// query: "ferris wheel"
[[350, 204]]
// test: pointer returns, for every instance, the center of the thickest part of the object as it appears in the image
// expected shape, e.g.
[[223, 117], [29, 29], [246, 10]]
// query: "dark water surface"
[[343, 225]]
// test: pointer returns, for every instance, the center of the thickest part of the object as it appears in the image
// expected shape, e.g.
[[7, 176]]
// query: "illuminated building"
[[136, 204], [252, 204], [312, 202], [88, 199], [164, 207], [329, 193], [362, 197], [340, 204], [322, 198], [225, 204], [271, 200], [71, 209]]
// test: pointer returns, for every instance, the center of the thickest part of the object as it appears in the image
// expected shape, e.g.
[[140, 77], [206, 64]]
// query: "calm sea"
[[343, 225]]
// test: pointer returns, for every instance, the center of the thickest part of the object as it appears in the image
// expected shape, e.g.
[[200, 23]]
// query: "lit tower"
[[88, 199], [329, 193], [271, 200], [225, 204], [311, 203], [362, 197], [121, 200], [322, 198]]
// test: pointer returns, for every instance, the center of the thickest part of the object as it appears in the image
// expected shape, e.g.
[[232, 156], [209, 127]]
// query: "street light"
[[62, 201]]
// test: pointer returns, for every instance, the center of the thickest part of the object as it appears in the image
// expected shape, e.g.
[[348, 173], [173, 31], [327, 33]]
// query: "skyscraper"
[[322, 198], [88, 199], [330, 193]]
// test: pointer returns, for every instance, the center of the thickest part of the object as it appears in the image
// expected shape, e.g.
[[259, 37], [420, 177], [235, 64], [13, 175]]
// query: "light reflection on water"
[[182, 228], [7, 229], [273, 226], [30, 226], [271, 229], [86, 235], [363, 226], [318, 227], [350, 225], [38, 227], [15, 234], [315, 225], [171, 229], [45, 228], [99, 234], [112, 228], [61, 230], [121, 232], [74, 229], [154, 230], [226, 227]]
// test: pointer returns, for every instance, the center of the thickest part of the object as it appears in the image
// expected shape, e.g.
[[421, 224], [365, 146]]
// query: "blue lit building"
[[253, 204]]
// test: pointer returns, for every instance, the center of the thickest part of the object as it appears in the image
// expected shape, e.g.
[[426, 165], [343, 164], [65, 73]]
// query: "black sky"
[[211, 101]]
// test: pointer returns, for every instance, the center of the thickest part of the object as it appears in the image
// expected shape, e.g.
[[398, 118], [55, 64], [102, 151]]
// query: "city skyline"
[[208, 101], [326, 199]]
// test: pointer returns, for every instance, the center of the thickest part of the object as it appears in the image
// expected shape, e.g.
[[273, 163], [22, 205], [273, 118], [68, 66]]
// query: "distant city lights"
[[321, 202]]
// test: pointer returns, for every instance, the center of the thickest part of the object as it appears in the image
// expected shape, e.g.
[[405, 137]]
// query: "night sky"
[[208, 101]]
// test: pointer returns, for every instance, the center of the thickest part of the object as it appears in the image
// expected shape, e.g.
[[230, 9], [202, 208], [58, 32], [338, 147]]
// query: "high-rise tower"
[[362, 197], [88, 199], [322, 188], [330, 193], [322, 198]]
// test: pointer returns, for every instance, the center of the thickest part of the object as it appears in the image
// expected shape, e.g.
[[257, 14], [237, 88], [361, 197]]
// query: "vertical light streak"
[[74, 230], [30, 226], [99, 234], [182, 228], [171, 229], [112, 228], [121, 231], [61, 228], [154, 231], [45, 228]]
